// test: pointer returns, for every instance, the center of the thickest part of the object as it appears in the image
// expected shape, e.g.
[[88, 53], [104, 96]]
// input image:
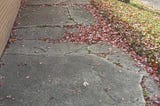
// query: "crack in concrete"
[[110, 96], [40, 48], [75, 51], [48, 25], [39, 26], [144, 90], [47, 4], [70, 16], [149, 92]]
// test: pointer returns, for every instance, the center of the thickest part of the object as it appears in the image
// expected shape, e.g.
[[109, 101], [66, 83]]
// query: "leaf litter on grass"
[[138, 27]]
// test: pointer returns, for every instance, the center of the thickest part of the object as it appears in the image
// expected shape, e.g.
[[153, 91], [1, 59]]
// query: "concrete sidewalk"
[[37, 73], [153, 3]]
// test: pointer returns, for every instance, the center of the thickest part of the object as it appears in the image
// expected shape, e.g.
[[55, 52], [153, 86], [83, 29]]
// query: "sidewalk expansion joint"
[[49, 26], [54, 4], [47, 4], [63, 4], [38, 26]]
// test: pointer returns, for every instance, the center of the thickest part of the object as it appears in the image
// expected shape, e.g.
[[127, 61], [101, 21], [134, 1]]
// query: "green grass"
[[143, 19]]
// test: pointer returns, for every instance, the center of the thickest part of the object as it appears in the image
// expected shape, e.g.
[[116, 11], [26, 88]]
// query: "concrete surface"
[[58, 2], [153, 3], [34, 72], [34, 80]]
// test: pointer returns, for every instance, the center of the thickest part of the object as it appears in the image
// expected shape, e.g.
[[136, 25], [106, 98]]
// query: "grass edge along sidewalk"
[[144, 40]]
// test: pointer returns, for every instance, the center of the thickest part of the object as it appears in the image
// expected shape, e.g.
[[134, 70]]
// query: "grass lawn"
[[142, 19]]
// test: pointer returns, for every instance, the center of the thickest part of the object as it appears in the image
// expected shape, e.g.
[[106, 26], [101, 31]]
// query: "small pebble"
[[36, 52], [9, 96], [27, 77], [85, 83]]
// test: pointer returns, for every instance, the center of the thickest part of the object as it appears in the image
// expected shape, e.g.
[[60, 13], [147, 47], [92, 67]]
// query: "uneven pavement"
[[35, 72]]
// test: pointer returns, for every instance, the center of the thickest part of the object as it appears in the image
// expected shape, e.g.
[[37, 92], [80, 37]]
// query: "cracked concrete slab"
[[40, 32], [61, 81], [39, 16], [103, 50], [152, 88], [116, 56], [56, 15], [33, 47], [80, 1], [37, 73], [81, 15], [58, 2], [46, 1]]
